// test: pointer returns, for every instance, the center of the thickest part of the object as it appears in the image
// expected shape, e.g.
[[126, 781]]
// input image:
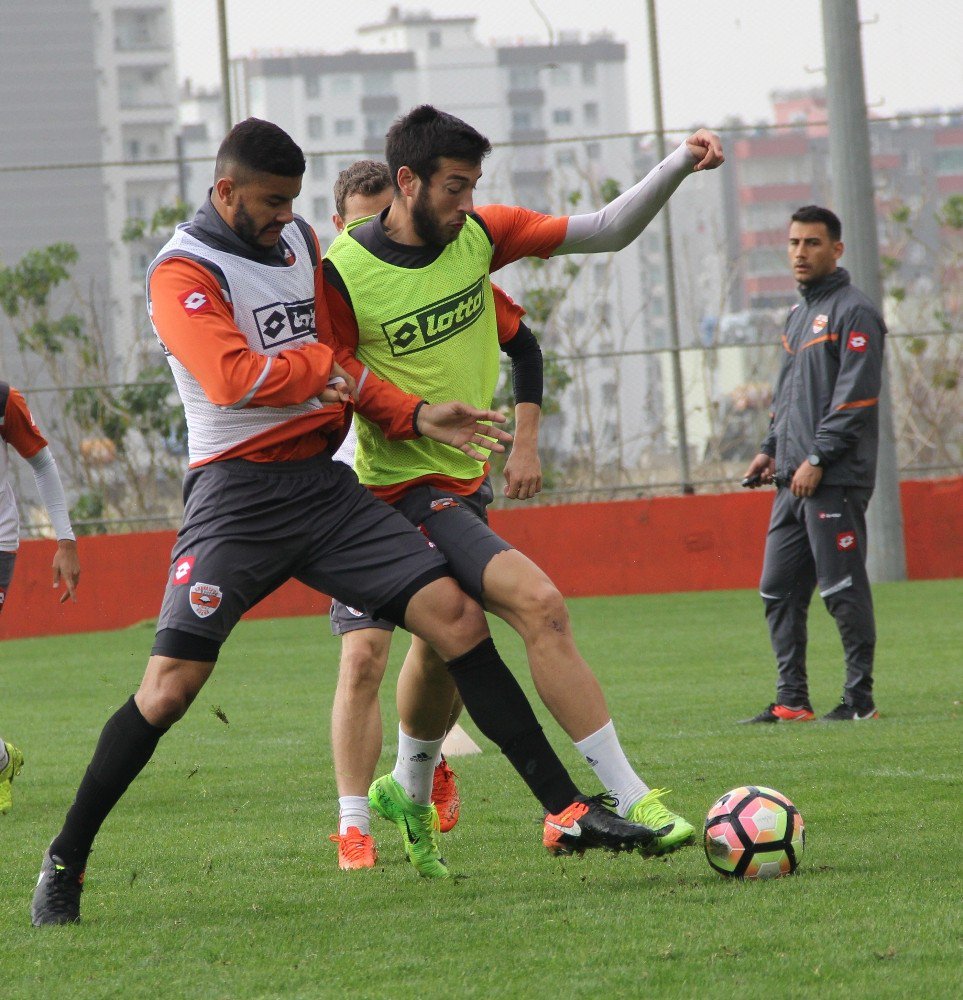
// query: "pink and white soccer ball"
[[754, 832]]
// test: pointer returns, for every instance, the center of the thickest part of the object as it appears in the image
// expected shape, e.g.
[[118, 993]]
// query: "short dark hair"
[[254, 146], [816, 213], [367, 177], [419, 139]]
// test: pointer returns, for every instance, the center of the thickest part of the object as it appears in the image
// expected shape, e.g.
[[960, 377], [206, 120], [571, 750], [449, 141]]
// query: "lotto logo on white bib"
[[205, 599]]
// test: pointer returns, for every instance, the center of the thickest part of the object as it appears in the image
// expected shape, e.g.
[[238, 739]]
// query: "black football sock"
[[126, 744], [498, 706]]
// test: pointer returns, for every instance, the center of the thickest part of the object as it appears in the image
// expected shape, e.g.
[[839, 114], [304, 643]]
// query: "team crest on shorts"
[[205, 599]]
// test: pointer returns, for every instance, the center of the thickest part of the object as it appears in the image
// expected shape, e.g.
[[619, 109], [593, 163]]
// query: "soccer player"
[[362, 190], [410, 297], [18, 429], [236, 300]]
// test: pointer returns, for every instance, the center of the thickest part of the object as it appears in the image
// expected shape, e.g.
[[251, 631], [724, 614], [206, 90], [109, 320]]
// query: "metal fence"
[[106, 402]]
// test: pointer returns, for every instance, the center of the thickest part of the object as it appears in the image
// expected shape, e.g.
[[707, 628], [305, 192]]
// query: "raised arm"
[[619, 222]]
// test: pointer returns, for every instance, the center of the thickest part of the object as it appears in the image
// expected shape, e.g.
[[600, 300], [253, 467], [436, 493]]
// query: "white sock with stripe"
[[415, 766], [607, 758]]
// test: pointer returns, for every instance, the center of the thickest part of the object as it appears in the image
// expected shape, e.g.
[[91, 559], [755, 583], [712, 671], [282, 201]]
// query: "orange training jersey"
[[245, 357], [17, 430]]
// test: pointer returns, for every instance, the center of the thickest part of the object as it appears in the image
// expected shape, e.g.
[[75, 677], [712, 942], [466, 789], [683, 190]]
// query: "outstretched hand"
[[706, 147], [460, 426]]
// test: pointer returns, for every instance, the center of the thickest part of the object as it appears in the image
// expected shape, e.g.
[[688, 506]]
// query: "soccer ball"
[[754, 832]]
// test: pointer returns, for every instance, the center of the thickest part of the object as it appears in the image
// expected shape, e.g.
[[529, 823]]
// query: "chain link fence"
[[105, 399]]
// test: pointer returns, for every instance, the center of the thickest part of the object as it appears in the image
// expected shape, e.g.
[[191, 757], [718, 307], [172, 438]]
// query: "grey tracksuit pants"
[[819, 541]]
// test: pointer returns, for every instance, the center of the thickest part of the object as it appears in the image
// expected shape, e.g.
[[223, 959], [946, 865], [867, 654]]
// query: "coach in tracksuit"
[[821, 454]]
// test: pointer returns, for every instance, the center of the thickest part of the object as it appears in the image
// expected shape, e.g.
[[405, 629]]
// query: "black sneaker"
[[849, 713], [589, 822], [782, 713], [56, 900]]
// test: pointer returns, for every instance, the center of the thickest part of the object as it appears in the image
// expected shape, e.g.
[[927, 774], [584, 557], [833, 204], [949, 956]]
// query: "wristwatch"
[[815, 459]]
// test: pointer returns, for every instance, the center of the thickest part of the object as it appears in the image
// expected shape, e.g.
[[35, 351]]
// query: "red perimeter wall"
[[621, 547]]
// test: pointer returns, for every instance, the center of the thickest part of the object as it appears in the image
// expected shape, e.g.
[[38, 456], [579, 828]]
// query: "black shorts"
[[251, 526], [458, 526]]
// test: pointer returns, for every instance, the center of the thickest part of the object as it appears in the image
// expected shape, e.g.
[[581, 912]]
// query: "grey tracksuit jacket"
[[826, 398]]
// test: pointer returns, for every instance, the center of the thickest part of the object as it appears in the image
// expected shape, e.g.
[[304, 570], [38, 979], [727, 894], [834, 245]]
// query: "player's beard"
[[426, 225], [244, 226]]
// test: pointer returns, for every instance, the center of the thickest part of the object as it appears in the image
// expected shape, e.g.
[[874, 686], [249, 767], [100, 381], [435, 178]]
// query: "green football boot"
[[10, 771], [418, 825], [671, 831]]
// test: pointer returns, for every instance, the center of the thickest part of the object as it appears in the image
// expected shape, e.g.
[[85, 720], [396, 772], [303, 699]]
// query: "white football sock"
[[415, 766], [353, 810], [605, 754]]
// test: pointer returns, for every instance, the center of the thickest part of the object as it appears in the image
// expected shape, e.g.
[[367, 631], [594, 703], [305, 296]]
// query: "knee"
[[164, 703], [362, 666], [462, 618], [542, 607]]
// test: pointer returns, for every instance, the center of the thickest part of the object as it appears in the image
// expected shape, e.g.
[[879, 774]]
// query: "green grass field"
[[214, 876]]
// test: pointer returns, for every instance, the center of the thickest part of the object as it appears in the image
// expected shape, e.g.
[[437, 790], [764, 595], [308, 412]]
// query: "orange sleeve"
[[18, 428], [519, 232], [508, 314], [197, 326], [380, 401]]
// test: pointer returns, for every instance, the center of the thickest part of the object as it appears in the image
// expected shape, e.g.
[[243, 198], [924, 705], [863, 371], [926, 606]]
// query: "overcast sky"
[[719, 57]]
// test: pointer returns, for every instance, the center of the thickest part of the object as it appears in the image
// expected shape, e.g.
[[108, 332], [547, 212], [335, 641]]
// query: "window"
[[523, 78], [562, 116], [319, 167], [561, 76], [319, 207], [378, 84], [593, 150], [949, 161], [376, 126], [565, 158], [589, 73], [344, 126], [312, 86], [342, 84], [591, 112], [434, 39], [521, 119], [315, 127]]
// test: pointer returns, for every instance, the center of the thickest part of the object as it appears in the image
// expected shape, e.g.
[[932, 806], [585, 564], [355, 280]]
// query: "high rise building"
[[88, 108]]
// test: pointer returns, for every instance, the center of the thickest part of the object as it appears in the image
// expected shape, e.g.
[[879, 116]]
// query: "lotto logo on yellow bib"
[[437, 322]]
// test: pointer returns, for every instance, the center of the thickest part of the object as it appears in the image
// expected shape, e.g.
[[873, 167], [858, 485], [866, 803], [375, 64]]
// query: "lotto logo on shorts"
[[443, 503], [182, 570], [845, 541], [195, 301], [205, 599], [858, 342], [353, 611]]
